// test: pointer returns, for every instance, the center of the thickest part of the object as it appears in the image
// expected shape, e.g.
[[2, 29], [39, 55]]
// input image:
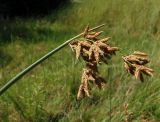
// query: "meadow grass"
[[48, 92]]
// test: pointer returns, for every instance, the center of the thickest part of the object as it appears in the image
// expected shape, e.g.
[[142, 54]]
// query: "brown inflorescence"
[[93, 51], [135, 65]]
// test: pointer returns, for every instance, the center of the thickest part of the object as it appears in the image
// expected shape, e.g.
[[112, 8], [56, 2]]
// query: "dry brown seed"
[[86, 44], [113, 49], [93, 37], [138, 53], [105, 40], [98, 33]]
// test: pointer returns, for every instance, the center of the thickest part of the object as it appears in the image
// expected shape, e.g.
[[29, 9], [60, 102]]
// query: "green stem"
[[29, 68]]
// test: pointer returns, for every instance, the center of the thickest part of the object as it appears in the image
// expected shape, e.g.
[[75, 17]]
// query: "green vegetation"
[[48, 92]]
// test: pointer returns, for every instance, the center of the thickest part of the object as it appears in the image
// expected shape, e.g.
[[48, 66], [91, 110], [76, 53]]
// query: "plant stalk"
[[30, 67]]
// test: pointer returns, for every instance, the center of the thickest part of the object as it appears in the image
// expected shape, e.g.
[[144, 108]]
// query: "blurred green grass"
[[48, 93]]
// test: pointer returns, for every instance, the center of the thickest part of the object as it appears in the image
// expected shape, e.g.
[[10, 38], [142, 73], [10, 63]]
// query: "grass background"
[[48, 92]]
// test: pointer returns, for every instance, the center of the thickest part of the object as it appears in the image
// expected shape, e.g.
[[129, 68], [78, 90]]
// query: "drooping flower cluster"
[[135, 65], [93, 51]]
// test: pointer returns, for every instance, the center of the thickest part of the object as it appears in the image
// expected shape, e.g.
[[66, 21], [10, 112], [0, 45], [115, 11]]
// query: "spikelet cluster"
[[135, 64], [93, 51]]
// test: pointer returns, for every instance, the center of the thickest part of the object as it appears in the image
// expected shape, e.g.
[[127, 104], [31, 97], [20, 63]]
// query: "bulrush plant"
[[93, 51], [135, 64]]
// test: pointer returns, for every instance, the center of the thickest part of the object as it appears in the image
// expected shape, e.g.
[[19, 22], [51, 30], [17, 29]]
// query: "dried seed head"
[[138, 53], [93, 36], [134, 64], [93, 51]]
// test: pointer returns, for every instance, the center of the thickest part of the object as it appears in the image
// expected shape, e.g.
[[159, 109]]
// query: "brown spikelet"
[[112, 50], [144, 69], [93, 36], [86, 44], [135, 65], [105, 40], [98, 33], [138, 53]]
